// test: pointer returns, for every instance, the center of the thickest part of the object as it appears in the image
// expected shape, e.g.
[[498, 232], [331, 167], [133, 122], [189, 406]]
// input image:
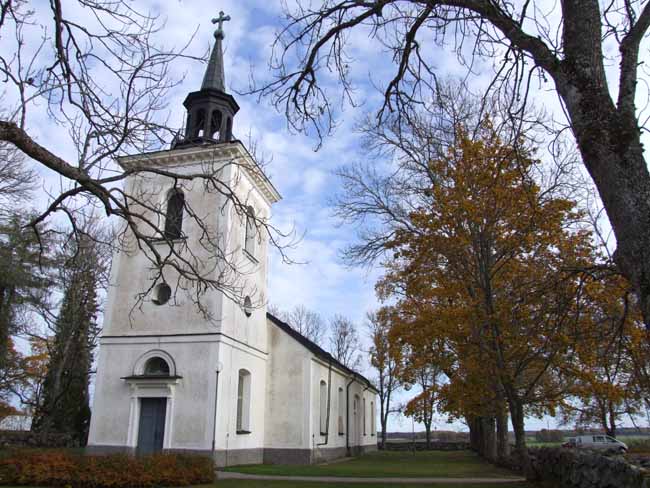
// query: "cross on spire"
[[220, 20]]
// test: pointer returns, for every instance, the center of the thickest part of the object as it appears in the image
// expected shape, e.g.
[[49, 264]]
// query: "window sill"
[[243, 432], [163, 240], [250, 256]]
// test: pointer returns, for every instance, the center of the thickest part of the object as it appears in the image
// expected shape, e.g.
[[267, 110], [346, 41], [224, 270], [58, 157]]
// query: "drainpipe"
[[216, 393], [364, 411], [347, 416], [327, 423]]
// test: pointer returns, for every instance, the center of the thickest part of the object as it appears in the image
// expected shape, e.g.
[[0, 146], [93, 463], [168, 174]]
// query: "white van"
[[599, 442]]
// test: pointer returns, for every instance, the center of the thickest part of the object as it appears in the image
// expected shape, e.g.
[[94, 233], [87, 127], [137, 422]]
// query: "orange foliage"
[[487, 278], [57, 468]]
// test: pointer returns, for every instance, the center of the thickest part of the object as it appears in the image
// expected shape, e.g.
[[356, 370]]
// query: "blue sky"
[[302, 175]]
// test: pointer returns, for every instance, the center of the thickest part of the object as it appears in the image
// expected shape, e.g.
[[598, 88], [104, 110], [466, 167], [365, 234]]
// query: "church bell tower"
[[172, 375], [210, 111]]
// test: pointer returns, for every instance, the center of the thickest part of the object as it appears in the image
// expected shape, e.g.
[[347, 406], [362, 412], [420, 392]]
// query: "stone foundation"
[[236, 457], [287, 456]]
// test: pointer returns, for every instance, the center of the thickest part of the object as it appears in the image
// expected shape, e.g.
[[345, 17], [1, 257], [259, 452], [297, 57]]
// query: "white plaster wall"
[[293, 397], [251, 330], [132, 270], [132, 273], [234, 356], [287, 412], [339, 379], [191, 417]]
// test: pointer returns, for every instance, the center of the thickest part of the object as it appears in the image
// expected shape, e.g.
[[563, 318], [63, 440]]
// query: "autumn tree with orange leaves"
[[606, 381], [489, 266]]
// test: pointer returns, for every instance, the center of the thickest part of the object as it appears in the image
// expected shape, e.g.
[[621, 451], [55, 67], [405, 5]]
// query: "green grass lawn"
[[422, 464], [293, 484]]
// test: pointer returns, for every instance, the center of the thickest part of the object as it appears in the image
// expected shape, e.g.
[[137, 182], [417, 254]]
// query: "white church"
[[242, 386]]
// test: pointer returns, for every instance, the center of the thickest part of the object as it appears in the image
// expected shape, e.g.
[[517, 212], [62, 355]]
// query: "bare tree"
[[344, 341], [386, 359], [97, 74], [307, 322], [560, 45], [17, 181]]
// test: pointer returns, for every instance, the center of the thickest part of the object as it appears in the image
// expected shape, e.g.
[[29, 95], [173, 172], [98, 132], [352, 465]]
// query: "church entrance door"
[[151, 431]]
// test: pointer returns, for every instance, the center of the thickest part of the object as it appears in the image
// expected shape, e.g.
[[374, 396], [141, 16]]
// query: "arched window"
[[243, 402], [215, 124], [199, 123], [323, 408], [156, 366], [341, 412], [174, 216], [364, 416], [249, 240]]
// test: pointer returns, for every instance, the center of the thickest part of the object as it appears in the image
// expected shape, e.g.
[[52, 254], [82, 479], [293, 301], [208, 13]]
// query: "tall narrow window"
[[229, 130], [341, 412], [373, 421], [364, 416], [249, 240], [215, 124], [174, 216], [199, 123], [323, 408], [243, 402]]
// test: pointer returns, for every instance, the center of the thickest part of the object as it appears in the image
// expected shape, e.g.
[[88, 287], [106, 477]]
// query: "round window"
[[248, 306], [161, 293]]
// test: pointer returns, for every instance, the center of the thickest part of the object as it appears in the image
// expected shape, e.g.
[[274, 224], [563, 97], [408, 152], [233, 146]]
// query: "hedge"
[[58, 468]]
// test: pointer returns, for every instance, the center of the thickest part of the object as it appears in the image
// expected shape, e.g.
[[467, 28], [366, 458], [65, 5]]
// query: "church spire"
[[214, 74], [210, 111]]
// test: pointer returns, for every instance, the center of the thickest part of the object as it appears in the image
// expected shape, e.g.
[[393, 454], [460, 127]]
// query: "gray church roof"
[[317, 350]]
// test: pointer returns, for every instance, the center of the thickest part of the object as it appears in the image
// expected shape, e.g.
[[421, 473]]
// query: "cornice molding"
[[224, 152]]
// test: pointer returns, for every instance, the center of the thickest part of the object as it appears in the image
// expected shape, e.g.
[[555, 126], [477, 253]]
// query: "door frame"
[[149, 388]]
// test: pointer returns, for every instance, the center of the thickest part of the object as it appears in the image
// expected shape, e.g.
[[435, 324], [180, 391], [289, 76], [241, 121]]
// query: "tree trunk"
[[474, 437], [609, 141], [427, 428], [489, 444], [521, 451], [611, 427], [503, 442], [383, 417]]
